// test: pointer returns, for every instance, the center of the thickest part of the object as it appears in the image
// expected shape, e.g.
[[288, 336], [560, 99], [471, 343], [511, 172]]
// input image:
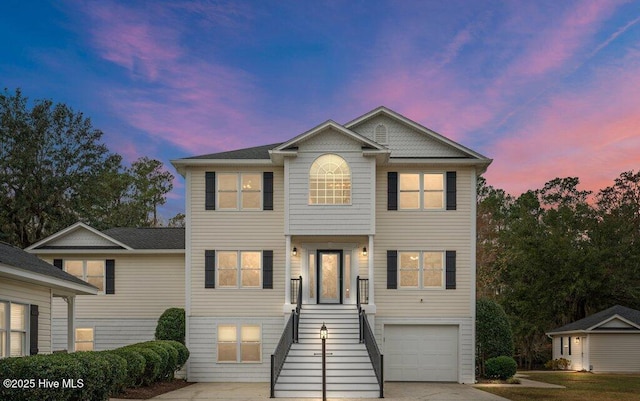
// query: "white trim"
[[181, 164], [67, 251], [472, 242], [371, 276], [71, 323], [47, 281], [187, 263], [326, 125], [616, 316], [287, 271], [77, 226]]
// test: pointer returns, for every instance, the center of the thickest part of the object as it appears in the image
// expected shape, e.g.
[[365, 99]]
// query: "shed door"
[[421, 353]]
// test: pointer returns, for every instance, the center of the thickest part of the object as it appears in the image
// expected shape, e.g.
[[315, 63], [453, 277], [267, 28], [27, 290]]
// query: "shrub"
[[135, 365], [556, 364], [493, 333], [152, 364], [501, 367], [169, 358], [183, 352], [117, 373], [171, 325]]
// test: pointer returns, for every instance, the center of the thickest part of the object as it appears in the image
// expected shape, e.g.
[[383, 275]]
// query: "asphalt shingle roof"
[[149, 238], [257, 152], [631, 315], [19, 259]]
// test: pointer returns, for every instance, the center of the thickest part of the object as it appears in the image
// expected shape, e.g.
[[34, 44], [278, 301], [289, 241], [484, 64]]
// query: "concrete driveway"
[[393, 392]]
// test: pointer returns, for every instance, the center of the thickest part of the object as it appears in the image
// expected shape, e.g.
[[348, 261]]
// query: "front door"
[[330, 277]]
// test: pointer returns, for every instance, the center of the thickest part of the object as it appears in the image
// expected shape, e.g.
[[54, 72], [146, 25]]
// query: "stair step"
[[330, 373], [331, 347], [318, 365], [366, 379], [330, 394]]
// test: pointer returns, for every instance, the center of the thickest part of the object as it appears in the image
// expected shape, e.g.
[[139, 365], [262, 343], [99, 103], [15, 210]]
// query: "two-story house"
[[380, 198]]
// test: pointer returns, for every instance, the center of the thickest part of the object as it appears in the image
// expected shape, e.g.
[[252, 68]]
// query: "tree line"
[[557, 254], [55, 171]]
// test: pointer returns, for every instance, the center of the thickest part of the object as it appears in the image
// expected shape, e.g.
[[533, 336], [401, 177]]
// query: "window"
[[84, 339], [329, 181], [239, 343], [421, 269], [421, 191], [238, 191], [91, 271], [13, 329], [239, 269]]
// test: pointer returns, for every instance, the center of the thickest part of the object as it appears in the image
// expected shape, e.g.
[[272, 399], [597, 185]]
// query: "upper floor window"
[[240, 191], [239, 269], [421, 191], [13, 329], [421, 269], [91, 271], [329, 181]]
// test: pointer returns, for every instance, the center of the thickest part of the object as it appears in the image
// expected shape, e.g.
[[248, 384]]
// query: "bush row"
[[91, 375]]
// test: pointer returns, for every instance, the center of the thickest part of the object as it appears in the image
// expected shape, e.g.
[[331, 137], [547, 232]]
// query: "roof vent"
[[381, 135]]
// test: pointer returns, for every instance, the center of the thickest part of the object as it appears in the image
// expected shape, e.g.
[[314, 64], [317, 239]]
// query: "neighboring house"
[[381, 198], [139, 273], [607, 341], [28, 286]]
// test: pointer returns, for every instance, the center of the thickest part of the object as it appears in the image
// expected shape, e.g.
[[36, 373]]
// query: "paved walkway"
[[393, 392]]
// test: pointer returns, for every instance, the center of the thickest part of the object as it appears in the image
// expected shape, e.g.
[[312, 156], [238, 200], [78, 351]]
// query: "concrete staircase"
[[349, 370]]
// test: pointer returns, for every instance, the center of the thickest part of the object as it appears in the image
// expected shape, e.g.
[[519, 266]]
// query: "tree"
[[149, 187], [493, 333], [51, 161]]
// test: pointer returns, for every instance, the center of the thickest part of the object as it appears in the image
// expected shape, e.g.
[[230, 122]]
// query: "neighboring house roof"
[[149, 238], [589, 323], [21, 265], [81, 237]]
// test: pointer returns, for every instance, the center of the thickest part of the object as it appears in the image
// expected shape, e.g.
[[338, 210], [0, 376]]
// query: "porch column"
[[287, 273], [371, 272], [71, 323]]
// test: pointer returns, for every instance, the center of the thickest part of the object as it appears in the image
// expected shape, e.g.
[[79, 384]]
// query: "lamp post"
[[324, 333]]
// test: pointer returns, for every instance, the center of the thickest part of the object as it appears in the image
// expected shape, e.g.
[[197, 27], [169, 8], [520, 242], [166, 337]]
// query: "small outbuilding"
[[27, 287], [607, 341]]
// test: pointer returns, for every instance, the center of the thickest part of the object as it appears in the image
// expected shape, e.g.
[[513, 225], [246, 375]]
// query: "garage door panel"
[[421, 353]]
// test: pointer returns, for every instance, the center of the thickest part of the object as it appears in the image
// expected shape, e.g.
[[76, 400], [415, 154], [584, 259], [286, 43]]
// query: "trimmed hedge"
[[501, 367], [171, 325], [91, 375]]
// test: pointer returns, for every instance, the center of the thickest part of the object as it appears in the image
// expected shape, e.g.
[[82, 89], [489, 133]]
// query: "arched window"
[[329, 181]]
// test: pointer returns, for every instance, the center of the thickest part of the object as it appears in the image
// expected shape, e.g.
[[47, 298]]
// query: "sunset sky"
[[545, 88]]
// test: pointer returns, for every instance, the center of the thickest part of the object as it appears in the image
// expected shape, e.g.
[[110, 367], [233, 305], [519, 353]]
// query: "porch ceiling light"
[[364, 251], [577, 340], [295, 251], [324, 333]]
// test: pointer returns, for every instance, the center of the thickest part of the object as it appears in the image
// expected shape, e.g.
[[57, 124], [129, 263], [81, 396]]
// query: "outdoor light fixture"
[[295, 251], [577, 340], [364, 251], [324, 333]]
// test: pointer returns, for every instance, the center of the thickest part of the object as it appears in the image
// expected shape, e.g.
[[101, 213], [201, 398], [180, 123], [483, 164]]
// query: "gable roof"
[[149, 237], [592, 322], [20, 264], [254, 153], [123, 239], [326, 125]]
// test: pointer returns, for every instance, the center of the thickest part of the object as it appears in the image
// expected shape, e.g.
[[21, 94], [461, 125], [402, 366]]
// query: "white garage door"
[[421, 353]]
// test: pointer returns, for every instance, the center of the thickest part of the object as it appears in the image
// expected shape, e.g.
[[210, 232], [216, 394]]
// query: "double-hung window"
[[421, 191], [84, 339], [239, 191], [239, 269], [13, 329], [91, 271], [239, 343], [421, 269]]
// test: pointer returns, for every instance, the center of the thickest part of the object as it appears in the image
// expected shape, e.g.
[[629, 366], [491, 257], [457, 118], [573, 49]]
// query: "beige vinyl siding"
[[425, 230], [353, 219], [27, 293], [617, 352], [146, 285], [236, 231], [107, 333], [203, 365], [405, 141], [80, 237]]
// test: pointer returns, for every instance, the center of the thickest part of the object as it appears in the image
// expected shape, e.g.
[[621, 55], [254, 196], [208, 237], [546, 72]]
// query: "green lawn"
[[580, 387]]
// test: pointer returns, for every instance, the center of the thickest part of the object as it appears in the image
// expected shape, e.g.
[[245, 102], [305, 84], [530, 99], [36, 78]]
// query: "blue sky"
[[545, 88]]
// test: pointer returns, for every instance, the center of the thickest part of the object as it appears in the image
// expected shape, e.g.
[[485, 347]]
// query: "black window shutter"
[[267, 269], [451, 190], [451, 270], [392, 190], [267, 190], [561, 345], [392, 270], [210, 190], [209, 269], [110, 275], [33, 329], [57, 263], [569, 344]]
